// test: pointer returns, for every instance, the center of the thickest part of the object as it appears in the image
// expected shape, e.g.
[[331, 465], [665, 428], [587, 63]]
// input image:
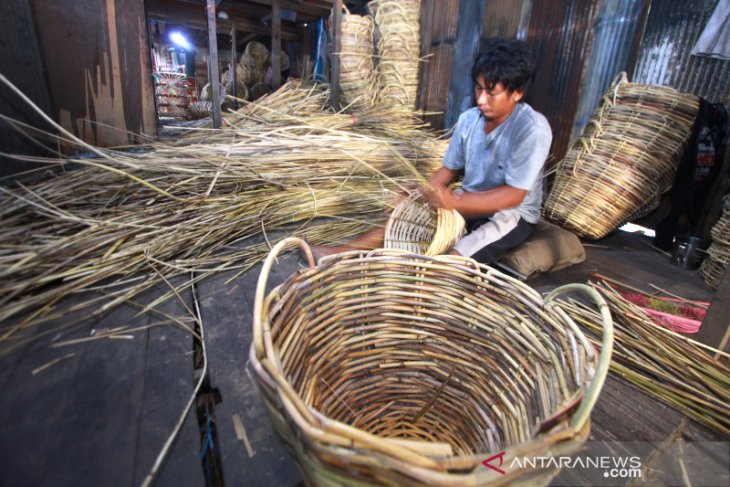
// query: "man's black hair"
[[508, 61]]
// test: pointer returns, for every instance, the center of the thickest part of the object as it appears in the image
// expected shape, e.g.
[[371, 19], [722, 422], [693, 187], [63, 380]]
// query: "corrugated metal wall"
[[503, 18], [560, 36], [438, 37], [580, 46], [615, 31], [672, 29], [461, 92]]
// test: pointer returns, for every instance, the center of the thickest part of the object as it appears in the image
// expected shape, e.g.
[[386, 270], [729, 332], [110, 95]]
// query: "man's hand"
[[438, 196], [393, 199]]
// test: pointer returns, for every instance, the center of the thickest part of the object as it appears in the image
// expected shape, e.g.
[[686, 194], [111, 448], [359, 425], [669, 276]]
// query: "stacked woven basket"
[[625, 160], [254, 60], [357, 69], [390, 368], [714, 266], [241, 85], [399, 44]]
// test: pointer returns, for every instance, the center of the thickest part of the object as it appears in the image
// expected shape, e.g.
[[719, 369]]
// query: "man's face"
[[495, 102]]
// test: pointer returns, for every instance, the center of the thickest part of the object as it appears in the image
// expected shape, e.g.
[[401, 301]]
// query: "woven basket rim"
[[412, 459]]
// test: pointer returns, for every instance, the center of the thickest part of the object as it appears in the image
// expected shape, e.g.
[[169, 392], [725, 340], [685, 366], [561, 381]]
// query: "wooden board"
[[98, 67]]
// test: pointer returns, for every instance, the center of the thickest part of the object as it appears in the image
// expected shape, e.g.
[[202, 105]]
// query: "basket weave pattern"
[[399, 41], [415, 227], [390, 368], [625, 160], [714, 266], [357, 69]]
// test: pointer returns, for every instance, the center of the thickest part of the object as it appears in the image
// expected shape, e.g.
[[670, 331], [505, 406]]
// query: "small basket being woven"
[[390, 368], [415, 227]]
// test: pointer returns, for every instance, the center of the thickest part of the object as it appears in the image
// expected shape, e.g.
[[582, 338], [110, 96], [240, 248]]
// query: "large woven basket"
[[256, 56], [390, 368], [415, 227], [625, 160], [357, 69]]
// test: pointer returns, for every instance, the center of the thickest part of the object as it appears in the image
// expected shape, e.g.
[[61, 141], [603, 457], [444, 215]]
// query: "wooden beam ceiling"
[[311, 8], [191, 13]]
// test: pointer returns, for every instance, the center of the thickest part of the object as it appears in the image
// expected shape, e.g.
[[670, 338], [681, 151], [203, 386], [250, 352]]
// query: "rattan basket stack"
[[625, 160], [357, 68], [392, 368], [713, 268], [398, 26]]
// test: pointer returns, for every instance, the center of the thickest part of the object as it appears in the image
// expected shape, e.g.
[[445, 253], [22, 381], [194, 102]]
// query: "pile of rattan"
[[185, 204], [687, 375], [625, 160], [357, 70], [398, 26], [714, 266], [391, 368], [417, 228]]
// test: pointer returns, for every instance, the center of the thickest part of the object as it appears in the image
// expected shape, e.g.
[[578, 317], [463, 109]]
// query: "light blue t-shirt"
[[513, 154]]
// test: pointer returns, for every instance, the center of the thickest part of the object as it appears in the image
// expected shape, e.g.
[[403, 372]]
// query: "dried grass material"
[[679, 371], [372, 8], [713, 268], [415, 227], [255, 56], [182, 205], [411, 370], [357, 69], [398, 23], [626, 158]]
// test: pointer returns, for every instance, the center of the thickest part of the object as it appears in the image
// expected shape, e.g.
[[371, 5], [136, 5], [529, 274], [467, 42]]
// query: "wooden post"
[[336, 48], [275, 45], [234, 57], [213, 74], [715, 330]]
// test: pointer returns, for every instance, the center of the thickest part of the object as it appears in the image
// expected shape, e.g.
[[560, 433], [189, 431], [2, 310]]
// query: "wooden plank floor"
[[101, 415]]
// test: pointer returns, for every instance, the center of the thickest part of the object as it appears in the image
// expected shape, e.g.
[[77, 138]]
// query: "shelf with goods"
[[174, 92]]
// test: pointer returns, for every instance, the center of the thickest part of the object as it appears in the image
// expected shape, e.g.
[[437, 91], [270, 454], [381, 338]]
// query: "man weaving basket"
[[501, 146]]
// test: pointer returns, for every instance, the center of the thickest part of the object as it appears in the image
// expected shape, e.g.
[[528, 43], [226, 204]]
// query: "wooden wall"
[[20, 64], [439, 19], [97, 64]]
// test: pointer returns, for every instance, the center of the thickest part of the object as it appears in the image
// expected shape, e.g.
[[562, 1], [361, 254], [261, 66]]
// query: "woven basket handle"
[[258, 308], [591, 395]]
